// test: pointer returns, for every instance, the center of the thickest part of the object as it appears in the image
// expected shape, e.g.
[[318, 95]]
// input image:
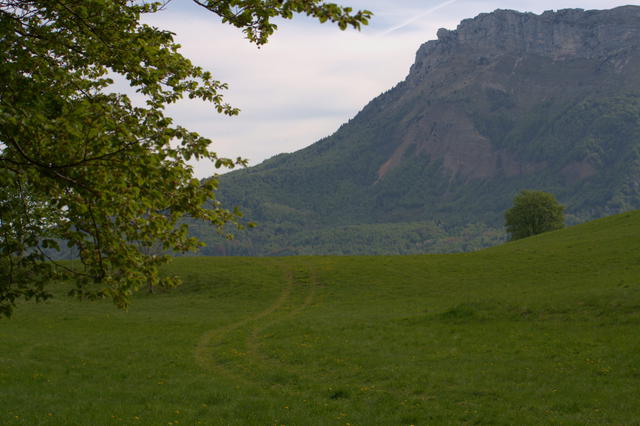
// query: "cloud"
[[295, 90], [417, 17]]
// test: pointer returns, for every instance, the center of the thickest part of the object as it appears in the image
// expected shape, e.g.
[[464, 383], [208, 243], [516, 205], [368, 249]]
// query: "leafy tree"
[[83, 165], [533, 212]]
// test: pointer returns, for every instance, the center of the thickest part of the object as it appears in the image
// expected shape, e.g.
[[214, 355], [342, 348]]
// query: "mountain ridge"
[[506, 101]]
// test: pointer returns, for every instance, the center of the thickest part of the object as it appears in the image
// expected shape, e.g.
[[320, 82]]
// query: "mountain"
[[505, 102]]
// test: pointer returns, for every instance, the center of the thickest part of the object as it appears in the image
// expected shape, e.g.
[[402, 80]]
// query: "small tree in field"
[[533, 212]]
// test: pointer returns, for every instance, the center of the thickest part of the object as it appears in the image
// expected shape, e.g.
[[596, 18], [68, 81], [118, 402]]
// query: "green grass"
[[539, 331]]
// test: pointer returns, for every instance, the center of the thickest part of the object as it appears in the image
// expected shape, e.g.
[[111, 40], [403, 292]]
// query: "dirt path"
[[253, 341], [206, 350], [209, 348]]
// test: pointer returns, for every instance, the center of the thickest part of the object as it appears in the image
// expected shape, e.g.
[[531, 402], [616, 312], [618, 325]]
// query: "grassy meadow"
[[544, 330]]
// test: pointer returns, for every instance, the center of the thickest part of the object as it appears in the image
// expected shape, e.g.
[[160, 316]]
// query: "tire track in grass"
[[298, 382], [206, 350], [253, 340]]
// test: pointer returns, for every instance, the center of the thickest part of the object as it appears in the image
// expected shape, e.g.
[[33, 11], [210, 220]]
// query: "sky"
[[311, 77]]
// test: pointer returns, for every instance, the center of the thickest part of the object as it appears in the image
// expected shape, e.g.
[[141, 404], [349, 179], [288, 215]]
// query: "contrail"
[[415, 18]]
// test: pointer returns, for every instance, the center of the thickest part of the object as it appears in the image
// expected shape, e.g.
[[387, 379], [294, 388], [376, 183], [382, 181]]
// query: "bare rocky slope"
[[505, 102]]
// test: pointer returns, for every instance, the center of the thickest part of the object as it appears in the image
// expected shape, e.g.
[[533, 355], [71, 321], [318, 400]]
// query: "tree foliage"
[[533, 212], [82, 165]]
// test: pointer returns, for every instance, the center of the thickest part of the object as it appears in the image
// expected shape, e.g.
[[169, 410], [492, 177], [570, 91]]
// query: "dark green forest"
[[327, 199]]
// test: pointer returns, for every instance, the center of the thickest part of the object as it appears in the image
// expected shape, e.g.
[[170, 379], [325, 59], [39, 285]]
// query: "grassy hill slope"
[[542, 330]]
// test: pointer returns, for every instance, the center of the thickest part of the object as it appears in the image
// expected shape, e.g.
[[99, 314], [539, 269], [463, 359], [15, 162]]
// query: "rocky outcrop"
[[569, 33], [514, 60]]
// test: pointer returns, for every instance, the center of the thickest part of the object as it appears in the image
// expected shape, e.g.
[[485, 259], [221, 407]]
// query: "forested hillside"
[[507, 101]]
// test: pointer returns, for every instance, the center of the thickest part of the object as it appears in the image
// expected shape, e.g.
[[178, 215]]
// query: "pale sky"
[[310, 78]]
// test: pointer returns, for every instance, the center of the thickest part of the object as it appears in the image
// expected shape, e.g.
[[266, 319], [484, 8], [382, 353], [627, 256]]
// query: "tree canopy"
[[81, 165], [533, 212]]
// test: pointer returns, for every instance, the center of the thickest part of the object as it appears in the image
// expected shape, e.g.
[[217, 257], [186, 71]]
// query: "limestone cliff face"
[[514, 61], [569, 33]]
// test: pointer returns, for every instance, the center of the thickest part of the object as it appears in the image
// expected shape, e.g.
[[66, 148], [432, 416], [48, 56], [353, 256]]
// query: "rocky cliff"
[[506, 101], [569, 33]]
